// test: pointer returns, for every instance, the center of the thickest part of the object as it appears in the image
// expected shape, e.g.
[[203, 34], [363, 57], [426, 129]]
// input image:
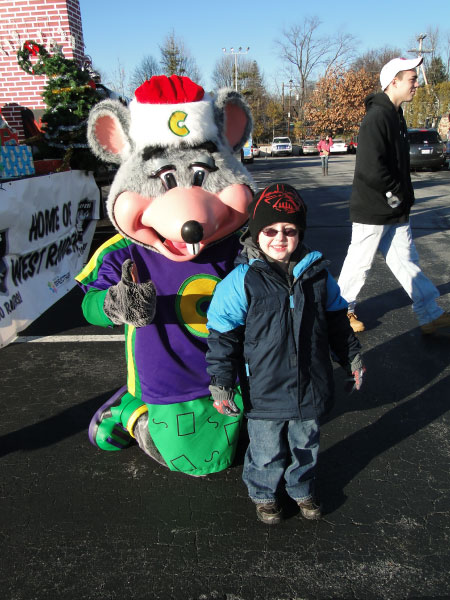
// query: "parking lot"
[[78, 523]]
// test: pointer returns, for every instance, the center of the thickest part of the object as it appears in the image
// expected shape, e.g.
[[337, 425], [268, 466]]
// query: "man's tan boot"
[[441, 322], [356, 325]]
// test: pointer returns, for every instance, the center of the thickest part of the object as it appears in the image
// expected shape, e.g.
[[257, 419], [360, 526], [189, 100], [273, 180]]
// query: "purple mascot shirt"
[[166, 359]]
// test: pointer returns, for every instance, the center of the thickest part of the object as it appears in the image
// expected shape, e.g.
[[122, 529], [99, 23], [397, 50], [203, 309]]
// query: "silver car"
[[310, 147]]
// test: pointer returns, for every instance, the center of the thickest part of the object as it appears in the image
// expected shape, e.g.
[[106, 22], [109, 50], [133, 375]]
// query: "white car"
[[280, 146], [338, 146], [255, 150]]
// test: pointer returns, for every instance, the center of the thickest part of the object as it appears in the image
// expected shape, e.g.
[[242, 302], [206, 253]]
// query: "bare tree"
[[306, 52], [176, 59], [117, 80], [374, 60], [223, 74], [447, 55], [146, 69], [433, 39]]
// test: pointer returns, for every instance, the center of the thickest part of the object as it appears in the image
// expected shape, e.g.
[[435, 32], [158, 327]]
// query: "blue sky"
[[124, 32]]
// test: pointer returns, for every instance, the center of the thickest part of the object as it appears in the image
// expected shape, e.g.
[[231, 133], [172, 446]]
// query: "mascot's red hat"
[[168, 111]]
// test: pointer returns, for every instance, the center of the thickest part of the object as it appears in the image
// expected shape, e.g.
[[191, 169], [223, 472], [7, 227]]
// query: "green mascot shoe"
[[111, 428]]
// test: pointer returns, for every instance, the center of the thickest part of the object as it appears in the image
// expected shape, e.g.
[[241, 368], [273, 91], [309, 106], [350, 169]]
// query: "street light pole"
[[236, 52]]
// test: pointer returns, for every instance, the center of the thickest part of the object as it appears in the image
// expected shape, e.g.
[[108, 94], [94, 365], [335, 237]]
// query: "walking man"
[[381, 200]]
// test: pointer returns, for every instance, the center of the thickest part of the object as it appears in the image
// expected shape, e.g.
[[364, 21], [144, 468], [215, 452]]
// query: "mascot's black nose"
[[192, 232]]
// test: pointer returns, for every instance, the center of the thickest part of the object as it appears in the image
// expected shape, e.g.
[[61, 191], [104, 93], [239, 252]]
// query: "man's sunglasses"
[[272, 232]]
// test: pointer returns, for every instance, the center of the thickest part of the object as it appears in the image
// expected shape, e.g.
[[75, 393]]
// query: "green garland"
[[34, 49], [46, 63]]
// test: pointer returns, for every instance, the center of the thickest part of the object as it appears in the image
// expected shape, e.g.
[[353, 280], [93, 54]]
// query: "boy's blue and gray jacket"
[[282, 333]]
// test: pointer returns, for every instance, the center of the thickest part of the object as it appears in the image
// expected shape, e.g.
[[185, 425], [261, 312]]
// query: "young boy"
[[279, 312]]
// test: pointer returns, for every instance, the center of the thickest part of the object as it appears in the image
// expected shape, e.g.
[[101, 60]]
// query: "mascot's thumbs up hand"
[[129, 301]]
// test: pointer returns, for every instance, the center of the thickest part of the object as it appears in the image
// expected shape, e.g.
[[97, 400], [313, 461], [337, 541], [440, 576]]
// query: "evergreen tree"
[[69, 94], [436, 71], [176, 60]]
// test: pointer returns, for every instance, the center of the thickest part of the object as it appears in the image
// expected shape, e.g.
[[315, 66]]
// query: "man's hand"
[[223, 400]]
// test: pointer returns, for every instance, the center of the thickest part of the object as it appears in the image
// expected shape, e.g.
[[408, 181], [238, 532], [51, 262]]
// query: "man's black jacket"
[[382, 165]]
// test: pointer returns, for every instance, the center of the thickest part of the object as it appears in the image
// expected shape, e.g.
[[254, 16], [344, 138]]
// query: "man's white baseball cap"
[[394, 66]]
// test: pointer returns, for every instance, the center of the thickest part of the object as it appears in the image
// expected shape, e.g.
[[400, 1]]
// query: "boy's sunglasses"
[[272, 232]]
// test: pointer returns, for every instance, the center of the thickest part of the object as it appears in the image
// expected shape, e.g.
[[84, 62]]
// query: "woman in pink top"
[[324, 150]]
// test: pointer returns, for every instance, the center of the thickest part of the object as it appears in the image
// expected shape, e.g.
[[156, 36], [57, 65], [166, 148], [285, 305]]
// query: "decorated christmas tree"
[[69, 94]]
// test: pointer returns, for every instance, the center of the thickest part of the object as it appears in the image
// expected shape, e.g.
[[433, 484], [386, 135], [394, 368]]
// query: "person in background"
[[280, 312], [324, 146], [381, 200]]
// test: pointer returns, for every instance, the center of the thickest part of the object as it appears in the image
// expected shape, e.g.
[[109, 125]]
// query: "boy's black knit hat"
[[278, 203]]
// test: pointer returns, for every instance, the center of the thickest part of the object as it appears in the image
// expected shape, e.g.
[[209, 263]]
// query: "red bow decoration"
[[32, 48]]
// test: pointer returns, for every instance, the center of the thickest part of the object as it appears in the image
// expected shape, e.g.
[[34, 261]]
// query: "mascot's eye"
[[199, 176], [166, 173], [168, 179]]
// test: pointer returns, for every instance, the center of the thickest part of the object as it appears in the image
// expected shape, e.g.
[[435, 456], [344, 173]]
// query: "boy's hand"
[[223, 400], [226, 407], [356, 374]]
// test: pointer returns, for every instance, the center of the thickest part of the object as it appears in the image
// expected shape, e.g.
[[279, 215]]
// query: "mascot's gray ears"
[[109, 124], [234, 118]]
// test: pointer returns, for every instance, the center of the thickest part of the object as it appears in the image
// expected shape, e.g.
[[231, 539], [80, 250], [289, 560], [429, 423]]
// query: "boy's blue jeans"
[[277, 449]]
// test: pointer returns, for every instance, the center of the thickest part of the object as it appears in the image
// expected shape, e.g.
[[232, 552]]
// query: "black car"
[[426, 149]]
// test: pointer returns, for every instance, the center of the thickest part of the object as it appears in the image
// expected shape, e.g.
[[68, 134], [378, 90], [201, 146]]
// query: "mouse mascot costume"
[[178, 201]]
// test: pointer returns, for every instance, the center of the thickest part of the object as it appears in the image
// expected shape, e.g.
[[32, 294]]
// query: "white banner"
[[46, 228]]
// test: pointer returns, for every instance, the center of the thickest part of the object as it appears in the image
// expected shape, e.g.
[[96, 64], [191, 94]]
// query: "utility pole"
[[236, 52], [289, 112], [420, 51], [289, 104]]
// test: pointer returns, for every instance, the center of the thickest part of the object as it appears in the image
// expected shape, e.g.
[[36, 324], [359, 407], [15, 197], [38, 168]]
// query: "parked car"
[[246, 152], [426, 149], [353, 144], [338, 145], [281, 146], [255, 150], [310, 147]]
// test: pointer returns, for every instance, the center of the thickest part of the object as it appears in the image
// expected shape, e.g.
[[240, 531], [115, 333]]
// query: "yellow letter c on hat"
[[176, 123]]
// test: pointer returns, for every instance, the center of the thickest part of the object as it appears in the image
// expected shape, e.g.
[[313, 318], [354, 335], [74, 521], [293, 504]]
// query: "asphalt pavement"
[[79, 523]]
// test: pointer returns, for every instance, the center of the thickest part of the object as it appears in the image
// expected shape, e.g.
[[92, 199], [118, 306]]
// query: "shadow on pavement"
[[54, 429]]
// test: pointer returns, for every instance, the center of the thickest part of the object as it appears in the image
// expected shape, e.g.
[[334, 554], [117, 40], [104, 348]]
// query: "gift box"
[[16, 161], [7, 136], [48, 165]]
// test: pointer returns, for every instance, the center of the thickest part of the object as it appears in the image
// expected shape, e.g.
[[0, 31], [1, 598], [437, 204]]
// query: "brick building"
[[47, 22]]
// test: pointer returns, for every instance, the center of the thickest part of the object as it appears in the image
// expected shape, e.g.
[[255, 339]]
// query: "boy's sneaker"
[[439, 323], [355, 324], [309, 509], [268, 513]]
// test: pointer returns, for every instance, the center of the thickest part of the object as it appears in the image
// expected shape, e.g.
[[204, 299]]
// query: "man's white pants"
[[397, 246]]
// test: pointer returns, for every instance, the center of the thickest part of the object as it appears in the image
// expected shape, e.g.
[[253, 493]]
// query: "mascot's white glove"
[[223, 400], [129, 301]]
